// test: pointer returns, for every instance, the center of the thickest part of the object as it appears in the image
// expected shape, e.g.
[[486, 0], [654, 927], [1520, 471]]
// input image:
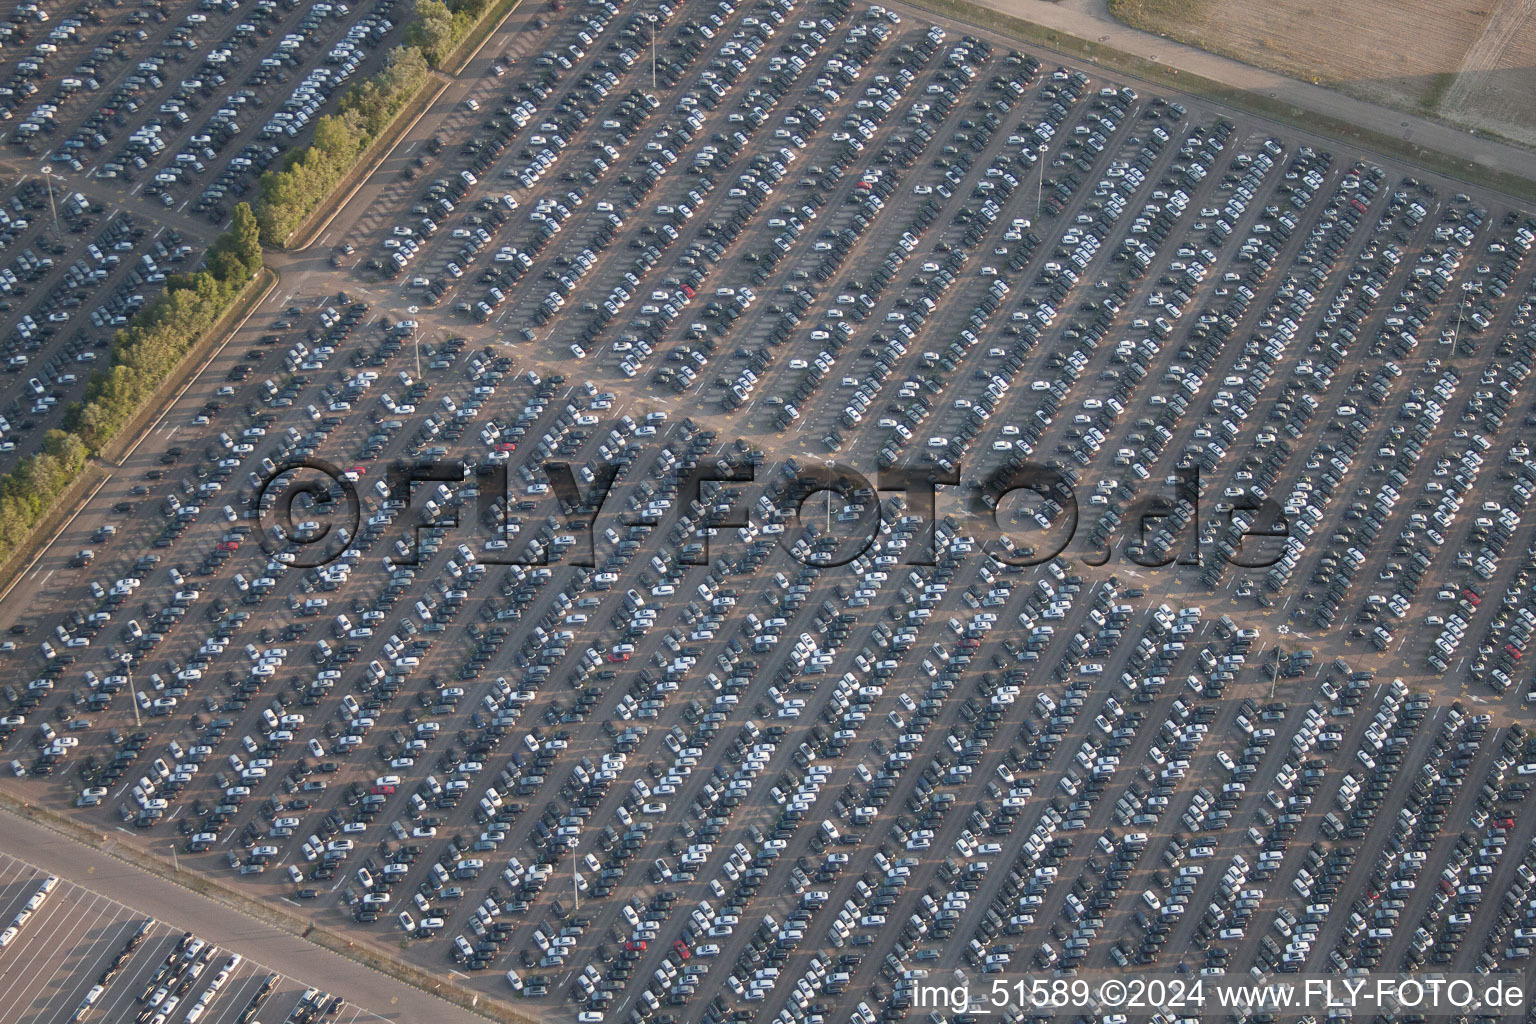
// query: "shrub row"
[[29, 490], [143, 354], [148, 349], [308, 176]]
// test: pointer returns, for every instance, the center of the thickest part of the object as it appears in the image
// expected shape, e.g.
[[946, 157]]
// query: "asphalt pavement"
[[115, 877]]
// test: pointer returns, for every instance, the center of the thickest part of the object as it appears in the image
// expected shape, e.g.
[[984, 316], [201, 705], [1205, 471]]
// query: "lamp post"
[[133, 694], [1040, 186], [48, 180]]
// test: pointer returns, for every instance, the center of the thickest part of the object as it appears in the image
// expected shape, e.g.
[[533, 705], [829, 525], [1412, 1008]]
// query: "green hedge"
[[143, 354], [147, 350], [28, 492], [309, 175], [440, 26]]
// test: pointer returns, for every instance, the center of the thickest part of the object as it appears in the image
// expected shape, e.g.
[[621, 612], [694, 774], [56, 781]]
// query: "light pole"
[[1461, 308], [48, 180], [1040, 186], [132, 693], [655, 27], [175, 860]]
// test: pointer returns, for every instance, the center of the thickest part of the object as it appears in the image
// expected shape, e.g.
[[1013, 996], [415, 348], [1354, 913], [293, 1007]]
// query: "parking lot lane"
[[110, 879]]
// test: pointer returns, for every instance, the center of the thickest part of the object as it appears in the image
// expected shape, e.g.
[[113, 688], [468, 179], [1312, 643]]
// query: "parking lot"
[[650, 772], [80, 956], [130, 133]]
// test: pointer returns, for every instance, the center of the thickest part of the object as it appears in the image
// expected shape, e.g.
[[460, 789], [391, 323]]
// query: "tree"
[[433, 31], [245, 239], [29, 491], [235, 255], [309, 176], [378, 99]]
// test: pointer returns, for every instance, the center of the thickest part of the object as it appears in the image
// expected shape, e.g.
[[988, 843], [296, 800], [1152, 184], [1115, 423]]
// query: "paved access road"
[[106, 883]]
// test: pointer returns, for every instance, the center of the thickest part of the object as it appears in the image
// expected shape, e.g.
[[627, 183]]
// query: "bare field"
[[1470, 62]]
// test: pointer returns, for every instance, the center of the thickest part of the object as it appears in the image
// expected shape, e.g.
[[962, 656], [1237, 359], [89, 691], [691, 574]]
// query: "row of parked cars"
[[136, 108], [948, 837], [324, 42]]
